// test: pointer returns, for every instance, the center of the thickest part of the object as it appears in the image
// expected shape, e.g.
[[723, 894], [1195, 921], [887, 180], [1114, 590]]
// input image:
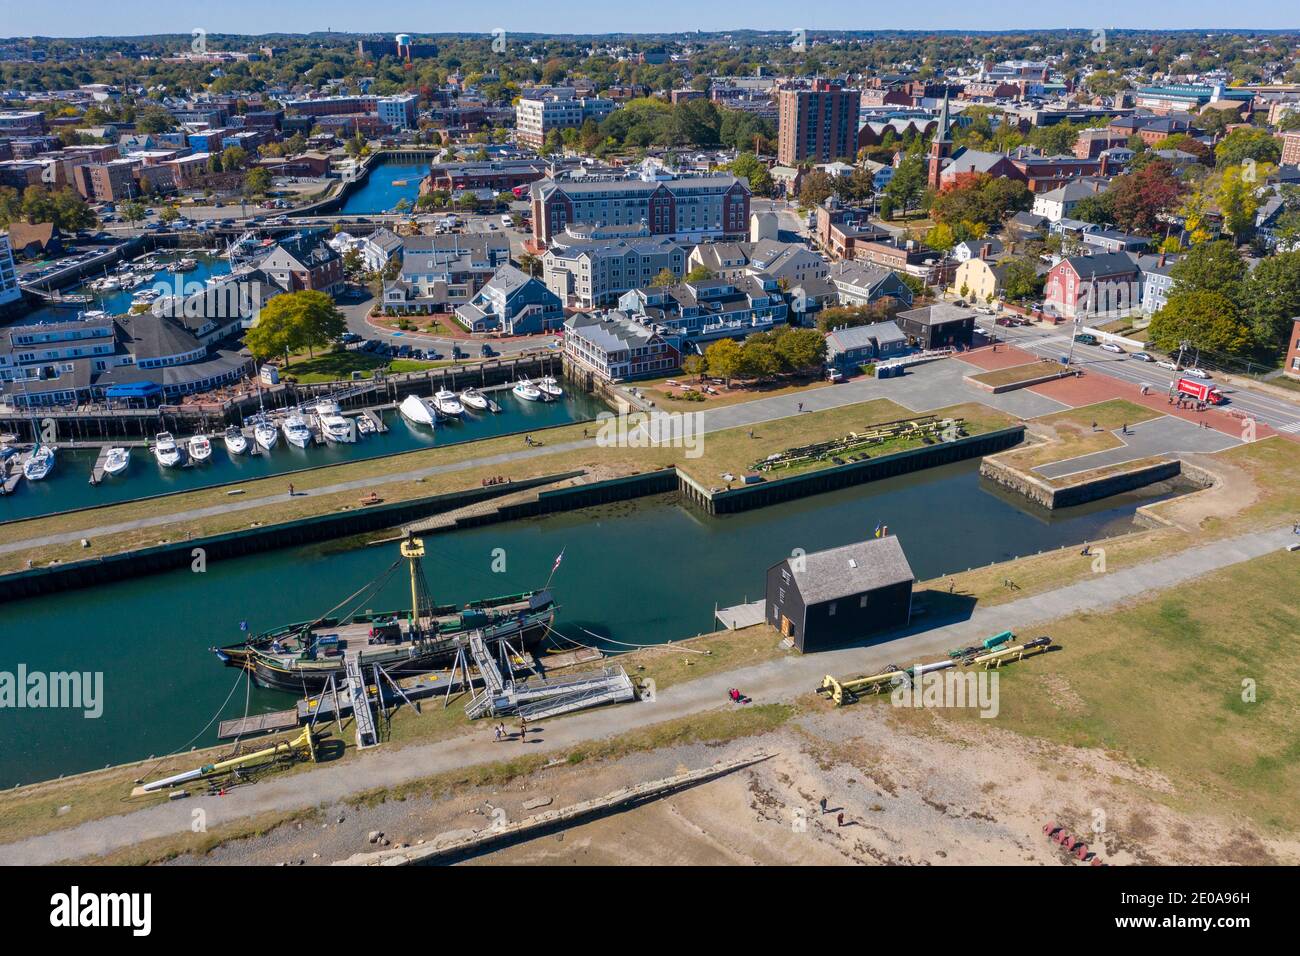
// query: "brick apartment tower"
[[820, 123], [940, 146]]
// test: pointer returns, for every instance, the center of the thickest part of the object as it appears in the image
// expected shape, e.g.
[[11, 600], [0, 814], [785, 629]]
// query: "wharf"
[[741, 615]]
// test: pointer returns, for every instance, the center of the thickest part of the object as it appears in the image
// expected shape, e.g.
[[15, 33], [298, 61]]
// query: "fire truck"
[[1201, 391]]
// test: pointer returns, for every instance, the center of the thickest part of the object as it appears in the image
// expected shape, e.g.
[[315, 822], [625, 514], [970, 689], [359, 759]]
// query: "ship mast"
[[413, 551]]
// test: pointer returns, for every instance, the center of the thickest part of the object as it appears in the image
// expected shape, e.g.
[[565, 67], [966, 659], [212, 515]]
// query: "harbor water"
[[386, 186], [68, 486], [641, 572]]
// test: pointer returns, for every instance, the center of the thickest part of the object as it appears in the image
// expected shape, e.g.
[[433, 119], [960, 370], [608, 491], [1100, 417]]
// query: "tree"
[[293, 321], [816, 188], [352, 262], [1139, 199], [759, 358], [132, 211], [1247, 144], [1210, 267], [749, 166], [234, 158], [699, 274], [907, 186], [169, 213], [1206, 320], [1236, 197], [1021, 280], [1094, 209], [257, 181], [665, 278], [154, 119], [723, 359], [1271, 298], [530, 264], [800, 350]]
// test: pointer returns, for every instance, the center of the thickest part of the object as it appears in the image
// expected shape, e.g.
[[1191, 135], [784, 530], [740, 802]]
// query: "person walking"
[[523, 730], [823, 805], [839, 820], [291, 489]]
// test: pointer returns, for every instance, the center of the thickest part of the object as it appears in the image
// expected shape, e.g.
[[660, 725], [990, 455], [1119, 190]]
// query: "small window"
[[830, 609], [862, 601]]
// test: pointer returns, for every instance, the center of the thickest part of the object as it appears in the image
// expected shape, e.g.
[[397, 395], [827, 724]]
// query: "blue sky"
[[125, 17]]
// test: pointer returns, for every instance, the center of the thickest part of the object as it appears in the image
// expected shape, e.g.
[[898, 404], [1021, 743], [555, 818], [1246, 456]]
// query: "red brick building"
[[1292, 364]]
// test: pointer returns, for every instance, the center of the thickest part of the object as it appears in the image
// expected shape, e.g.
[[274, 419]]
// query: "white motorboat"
[[447, 403], [295, 430], [265, 434], [200, 448], [235, 441], [418, 411], [145, 296], [326, 406], [473, 398], [40, 463], [528, 391], [337, 429], [116, 460], [549, 387], [166, 450], [364, 425]]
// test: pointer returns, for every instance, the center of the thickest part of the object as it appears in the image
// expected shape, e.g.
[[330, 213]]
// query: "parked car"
[[1197, 373], [834, 375], [350, 337], [1143, 356], [1112, 347], [1172, 366], [403, 351], [1084, 338]]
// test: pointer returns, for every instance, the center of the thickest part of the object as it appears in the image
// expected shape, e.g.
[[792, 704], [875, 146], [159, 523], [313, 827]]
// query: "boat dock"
[[380, 426], [741, 615], [11, 472]]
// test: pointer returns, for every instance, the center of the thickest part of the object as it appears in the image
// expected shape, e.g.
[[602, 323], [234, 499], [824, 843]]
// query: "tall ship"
[[303, 657]]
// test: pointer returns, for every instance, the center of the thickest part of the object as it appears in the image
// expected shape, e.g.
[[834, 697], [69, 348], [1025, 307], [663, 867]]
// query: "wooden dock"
[[268, 723], [376, 420]]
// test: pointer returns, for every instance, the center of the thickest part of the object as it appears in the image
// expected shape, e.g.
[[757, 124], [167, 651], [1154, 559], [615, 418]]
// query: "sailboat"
[[265, 433], [447, 403], [295, 429], [420, 637], [166, 450], [235, 441], [40, 463]]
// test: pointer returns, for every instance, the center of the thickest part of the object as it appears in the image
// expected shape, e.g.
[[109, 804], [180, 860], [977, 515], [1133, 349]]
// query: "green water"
[[68, 487], [640, 572]]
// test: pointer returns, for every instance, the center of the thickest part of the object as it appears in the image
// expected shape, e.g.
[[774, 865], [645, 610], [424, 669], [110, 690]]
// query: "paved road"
[[777, 680], [355, 313], [1276, 412]]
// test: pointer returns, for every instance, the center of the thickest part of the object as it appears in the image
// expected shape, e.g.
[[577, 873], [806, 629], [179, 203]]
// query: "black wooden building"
[[831, 598], [938, 326]]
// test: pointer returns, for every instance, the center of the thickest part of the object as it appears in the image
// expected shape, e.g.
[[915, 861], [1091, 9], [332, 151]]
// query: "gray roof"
[[852, 569], [861, 336], [936, 314]]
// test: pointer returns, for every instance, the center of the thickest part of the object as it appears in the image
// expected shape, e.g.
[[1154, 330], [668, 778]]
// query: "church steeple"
[[941, 133], [940, 146]]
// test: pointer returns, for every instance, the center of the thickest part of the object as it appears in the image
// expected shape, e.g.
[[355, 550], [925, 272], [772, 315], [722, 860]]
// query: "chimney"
[[984, 250]]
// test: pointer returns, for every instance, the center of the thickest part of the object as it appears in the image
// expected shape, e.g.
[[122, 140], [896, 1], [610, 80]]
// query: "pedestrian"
[[291, 489], [523, 729], [839, 819], [801, 406], [823, 805], [951, 584], [751, 433], [1123, 429], [496, 731]]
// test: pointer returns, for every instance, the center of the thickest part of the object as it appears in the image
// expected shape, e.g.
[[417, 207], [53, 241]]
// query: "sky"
[[134, 17]]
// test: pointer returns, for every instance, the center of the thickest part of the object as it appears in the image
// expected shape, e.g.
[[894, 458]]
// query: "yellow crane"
[[305, 741]]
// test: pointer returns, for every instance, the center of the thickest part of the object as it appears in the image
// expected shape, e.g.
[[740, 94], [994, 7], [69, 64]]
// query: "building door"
[[787, 626]]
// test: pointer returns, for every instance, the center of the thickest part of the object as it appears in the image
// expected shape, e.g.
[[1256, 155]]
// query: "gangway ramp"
[[358, 694]]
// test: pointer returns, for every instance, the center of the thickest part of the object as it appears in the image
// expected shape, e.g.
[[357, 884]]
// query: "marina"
[[380, 432], [675, 565]]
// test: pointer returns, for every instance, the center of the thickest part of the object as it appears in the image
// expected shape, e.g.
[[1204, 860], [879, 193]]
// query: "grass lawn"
[[671, 398], [1018, 373], [1075, 435], [1161, 682]]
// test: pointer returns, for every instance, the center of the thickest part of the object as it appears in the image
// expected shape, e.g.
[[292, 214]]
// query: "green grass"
[[339, 366], [1162, 682]]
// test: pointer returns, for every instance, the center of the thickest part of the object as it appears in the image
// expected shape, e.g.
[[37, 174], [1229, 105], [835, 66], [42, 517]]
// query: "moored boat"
[[200, 448], [337, 429], [265, 433], [165, 450], [116, 460], [473, 398], [549, 387], [418, 411], [527, 391], [235, 441], [295, 430], [447, 403], [303, 657], [40, 463]]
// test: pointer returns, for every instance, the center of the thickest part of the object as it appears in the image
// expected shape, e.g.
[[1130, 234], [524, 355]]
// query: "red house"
[[1093, 285]]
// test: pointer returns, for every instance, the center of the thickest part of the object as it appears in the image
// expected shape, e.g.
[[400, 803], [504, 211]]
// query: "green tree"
[[801, 350], [699, 274], [1271, 298], [1207, 320], [234, 158], [664, 279], [257, 181], [1243, 144], [723, 359], [295, 321], [1210, 267], [759, 359], [1021, 280]]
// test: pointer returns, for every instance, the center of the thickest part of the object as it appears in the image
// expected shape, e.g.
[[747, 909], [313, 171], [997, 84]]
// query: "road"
[[1277, 413]]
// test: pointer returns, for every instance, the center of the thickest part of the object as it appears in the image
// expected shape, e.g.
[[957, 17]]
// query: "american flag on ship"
[[558, 558]]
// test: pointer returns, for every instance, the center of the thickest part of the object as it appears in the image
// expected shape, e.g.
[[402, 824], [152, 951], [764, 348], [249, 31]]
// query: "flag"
[[558, 558]]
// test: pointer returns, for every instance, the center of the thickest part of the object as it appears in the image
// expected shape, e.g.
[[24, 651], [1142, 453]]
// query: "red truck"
[[1201, 391]]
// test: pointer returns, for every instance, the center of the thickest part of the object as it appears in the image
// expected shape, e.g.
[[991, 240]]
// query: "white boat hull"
[[236, 444], [418, 411], [115, 464], [473, 400]]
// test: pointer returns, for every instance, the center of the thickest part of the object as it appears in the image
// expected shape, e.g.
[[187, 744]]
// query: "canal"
[[640, 572], [68, 486], [386, 186]]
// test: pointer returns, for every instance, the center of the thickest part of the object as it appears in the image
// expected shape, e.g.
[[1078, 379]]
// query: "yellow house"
[[979, 280]]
